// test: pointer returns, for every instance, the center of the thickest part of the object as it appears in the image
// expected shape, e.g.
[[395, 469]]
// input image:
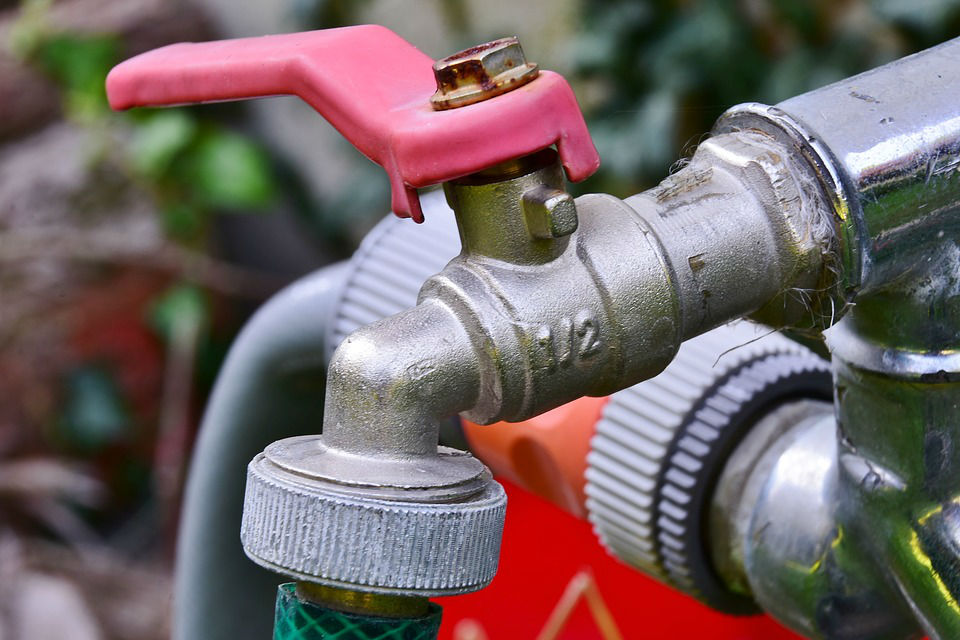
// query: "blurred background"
[[134, 245]]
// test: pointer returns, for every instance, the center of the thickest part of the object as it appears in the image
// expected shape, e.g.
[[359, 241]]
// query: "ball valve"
[[550, 299], [829, 207], [379, 507]]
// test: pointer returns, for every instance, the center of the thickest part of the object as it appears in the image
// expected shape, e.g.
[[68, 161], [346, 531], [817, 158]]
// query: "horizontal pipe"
[[894, 135]]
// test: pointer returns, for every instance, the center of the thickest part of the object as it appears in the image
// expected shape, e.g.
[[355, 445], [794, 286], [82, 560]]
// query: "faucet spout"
[[393, 381]]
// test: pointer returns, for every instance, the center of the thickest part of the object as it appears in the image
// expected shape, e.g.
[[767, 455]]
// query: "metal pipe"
[[893, 134], [608, 305], [847, 532], [268, 388], [740, 212], [884, 147], [900, 485]]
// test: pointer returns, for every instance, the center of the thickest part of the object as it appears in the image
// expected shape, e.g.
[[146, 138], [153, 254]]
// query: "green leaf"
[[181, 303], [94, 414], [227, 171], [158, 139], [183, 221], [80, 65]]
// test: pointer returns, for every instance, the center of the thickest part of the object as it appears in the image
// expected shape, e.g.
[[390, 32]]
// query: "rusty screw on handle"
[[481, 72]]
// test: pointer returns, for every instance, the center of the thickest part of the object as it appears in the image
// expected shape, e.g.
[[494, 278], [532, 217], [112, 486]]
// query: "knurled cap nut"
[[481, 72], [334, 535]]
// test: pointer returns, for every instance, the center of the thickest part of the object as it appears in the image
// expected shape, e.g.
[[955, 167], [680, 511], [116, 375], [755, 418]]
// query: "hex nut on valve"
[[481, 72], [549, 213]]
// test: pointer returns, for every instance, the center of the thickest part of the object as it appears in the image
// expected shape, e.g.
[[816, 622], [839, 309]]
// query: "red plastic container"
[[544, 549]]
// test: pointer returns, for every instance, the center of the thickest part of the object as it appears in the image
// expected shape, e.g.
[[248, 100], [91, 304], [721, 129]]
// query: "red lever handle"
[[375, 88]]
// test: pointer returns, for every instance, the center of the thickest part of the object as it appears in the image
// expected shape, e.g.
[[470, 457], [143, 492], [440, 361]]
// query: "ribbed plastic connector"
[[660, 445], [390, 266], [297, 619]]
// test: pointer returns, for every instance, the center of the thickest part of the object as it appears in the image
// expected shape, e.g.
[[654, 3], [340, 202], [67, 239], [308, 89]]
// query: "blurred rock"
[[27, 99], [48, 608], [48, 592]]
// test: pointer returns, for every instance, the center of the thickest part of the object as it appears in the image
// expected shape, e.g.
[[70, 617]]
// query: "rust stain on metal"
[[864, 97]]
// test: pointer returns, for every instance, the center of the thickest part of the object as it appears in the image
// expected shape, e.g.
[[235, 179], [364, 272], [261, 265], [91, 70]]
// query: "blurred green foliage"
[[653, 76], [78, 65], [194, 167], [94, 416], [323, 14], [180, 304]]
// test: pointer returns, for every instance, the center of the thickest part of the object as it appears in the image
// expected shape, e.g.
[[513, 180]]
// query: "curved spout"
[[267, 389], [391, 383]]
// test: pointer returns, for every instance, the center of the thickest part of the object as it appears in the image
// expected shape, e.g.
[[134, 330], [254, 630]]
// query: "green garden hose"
[[299, 619]]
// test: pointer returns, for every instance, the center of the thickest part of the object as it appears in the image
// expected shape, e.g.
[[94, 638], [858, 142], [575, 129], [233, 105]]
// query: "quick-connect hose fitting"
[[660, 446]]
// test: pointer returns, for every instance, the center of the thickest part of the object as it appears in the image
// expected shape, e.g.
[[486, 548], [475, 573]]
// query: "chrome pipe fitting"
[[871, 549], [776, 536]]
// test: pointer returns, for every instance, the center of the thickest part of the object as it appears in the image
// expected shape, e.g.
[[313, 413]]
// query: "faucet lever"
[[376, 89]]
